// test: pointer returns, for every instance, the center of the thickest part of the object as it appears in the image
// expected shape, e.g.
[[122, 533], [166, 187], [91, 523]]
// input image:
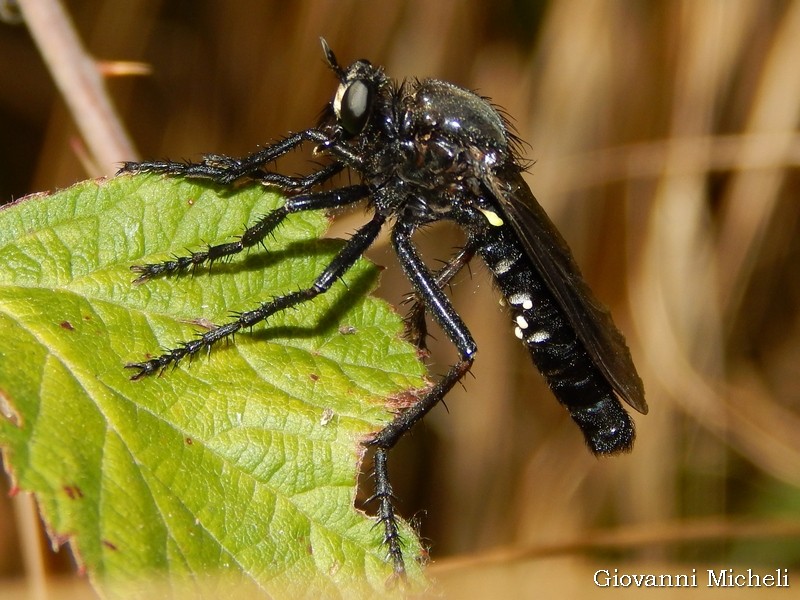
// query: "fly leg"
[[433, 298], [224, 170], [416, 326], [256, 233], [348, 255]]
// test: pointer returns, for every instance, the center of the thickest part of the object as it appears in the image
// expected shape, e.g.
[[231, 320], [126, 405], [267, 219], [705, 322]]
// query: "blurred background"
[[665, 143]]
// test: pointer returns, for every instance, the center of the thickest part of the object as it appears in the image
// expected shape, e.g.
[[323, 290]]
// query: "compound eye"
[[355, 106]]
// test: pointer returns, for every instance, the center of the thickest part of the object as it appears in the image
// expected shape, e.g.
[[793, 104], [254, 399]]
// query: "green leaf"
[[240, 466]]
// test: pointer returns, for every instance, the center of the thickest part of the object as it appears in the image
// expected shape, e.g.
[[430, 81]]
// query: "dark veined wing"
[[552, 257]]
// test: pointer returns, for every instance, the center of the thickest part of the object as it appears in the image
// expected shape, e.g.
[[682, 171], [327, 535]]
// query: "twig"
[[78, 78]]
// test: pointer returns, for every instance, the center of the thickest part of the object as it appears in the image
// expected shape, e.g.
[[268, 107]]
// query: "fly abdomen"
[[557, 352]]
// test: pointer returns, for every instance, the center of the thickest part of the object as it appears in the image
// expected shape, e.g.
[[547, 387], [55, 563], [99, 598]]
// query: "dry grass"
[[666, 142]]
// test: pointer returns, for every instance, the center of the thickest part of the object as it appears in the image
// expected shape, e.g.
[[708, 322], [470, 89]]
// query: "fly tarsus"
[[386, 515]]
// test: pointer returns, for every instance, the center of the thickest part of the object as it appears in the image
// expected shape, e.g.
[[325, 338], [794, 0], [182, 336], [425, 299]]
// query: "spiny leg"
[[416, 326], [384, 495], [256, 233], [341, 263], [426, 286], [222, 170], [298, 183], [225, 169], [386, 439]]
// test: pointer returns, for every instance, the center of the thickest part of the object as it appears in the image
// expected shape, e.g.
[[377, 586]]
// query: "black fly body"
[[427, 151]]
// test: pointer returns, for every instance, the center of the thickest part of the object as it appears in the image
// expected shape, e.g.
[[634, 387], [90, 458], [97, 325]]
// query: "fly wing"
[[553, 259]]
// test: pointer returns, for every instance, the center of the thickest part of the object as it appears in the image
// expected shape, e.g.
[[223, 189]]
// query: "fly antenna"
[[330, 57]]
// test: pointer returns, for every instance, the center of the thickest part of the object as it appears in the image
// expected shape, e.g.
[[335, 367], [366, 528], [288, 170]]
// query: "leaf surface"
[[240, 466]]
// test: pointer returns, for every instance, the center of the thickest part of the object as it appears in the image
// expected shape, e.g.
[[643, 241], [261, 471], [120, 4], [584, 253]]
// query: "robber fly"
[[426, 151]]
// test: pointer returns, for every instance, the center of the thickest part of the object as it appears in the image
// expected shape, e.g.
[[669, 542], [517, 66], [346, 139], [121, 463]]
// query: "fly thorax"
[[459, 113], [431, 161]]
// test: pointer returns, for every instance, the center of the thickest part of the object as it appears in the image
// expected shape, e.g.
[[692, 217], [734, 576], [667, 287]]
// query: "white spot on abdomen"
[[504, 266], [537, 337], [523, 299]]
